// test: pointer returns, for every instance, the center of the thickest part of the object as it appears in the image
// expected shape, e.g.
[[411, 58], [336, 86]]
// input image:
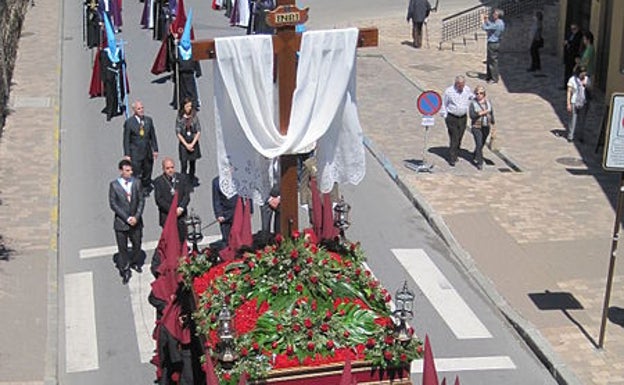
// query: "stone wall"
[[12, 13]]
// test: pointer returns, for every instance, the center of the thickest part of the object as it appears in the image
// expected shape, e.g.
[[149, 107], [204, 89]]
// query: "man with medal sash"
[[140, 145], [127, 202], [165, 187]]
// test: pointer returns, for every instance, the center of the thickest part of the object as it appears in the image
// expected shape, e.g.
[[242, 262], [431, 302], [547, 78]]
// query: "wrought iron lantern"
[[404, 301], [342, 219], [193, 229], [227, 354]]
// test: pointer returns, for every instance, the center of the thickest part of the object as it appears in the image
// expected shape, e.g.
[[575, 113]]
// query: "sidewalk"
[[533, 228], [28, 213]]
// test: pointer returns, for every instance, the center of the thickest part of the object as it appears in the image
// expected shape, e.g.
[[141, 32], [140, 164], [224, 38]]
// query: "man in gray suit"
[[127, 202], [140, 145]]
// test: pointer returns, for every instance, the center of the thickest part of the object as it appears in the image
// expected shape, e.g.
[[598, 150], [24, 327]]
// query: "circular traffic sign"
[[429, 103]]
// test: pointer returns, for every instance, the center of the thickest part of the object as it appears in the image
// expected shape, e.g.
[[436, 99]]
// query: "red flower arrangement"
[[294, 304]]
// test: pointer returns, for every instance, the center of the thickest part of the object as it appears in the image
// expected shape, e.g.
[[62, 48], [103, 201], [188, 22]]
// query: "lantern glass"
[[342, 218], [193, 227]]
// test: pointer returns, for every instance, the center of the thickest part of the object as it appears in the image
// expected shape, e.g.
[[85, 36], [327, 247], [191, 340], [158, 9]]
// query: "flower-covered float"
[[295, 310]]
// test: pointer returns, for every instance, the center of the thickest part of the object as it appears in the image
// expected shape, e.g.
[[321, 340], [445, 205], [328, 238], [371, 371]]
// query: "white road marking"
[[144, 313], [81, 352], [467, 363], [108, 251], [443, 297]]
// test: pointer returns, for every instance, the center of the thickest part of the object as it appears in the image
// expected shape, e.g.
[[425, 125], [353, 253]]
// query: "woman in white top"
[[577, 103]]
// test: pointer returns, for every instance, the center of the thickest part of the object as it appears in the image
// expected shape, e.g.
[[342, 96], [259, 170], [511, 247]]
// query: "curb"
[[50, 374], [529, 333]]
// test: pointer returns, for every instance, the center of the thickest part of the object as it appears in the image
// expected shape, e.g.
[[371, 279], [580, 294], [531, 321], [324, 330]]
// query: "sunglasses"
[[480, 93]]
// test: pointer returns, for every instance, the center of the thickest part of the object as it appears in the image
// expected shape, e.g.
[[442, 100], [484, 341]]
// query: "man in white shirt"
[[455, 102]]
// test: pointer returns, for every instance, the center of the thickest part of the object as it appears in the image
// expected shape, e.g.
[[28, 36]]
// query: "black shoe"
[[479, 166], [125, 276], [452, 163], [137, 268], [195, 182]]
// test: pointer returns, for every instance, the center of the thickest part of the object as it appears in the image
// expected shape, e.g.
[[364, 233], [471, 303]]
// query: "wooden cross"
[[286, 43]]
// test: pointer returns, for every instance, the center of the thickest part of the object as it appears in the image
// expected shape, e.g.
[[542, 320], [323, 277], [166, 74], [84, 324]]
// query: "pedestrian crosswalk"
[[81, 337]]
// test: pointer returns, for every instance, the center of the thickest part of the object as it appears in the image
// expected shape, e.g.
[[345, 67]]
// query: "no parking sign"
[[429, 103]]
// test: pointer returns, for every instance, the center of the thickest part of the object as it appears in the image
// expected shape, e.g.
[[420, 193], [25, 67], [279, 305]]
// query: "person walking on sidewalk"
[[455, 102], [417, 12], [482, 122], [537, 41], [140, 145], [577, 103], [188, 131], [127, 202], [494, 29]]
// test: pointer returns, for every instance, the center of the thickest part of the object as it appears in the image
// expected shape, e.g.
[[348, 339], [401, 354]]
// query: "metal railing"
[[470, 20]]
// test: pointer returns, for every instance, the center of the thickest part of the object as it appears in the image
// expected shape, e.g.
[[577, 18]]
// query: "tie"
[[128, 191]]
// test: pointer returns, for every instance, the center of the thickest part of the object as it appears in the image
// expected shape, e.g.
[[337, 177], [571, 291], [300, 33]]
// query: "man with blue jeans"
[[494, 29]]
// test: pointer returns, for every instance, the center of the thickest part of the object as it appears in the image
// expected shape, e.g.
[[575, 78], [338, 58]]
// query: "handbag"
[[494, 142]]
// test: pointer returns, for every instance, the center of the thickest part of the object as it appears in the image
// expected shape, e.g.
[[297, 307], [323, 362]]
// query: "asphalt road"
[[106, 327]]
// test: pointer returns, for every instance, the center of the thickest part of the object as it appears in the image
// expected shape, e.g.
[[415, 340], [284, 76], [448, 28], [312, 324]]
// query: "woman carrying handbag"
[[482, 122]]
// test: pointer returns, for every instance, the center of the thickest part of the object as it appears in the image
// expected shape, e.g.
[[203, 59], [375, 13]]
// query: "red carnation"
[[294, 312], [338, 276], [252, 282], [324, 261], [296, 234], [274, 289], [330, 344], [279, 238], [389, 340], [233, 286], [328, 314], [244, 352], [330, 291], [419, 349], [297, 269], [403, 357], [289, 350], [387, 355], [275, 261], [324, 327], [274, 345], [309, 260], [341, 312], [308, 323], [299, 287], [290, 275], [346, 334], [227, 376], [314, 248], [367, 273], [296, 327], [279, 327], [294, 254], [311, 346], [251, 264], [314, 306], [358, 271], [255, 346], [310, 334], [371, 343]]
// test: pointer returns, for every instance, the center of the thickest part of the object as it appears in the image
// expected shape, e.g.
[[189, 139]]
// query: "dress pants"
[[456, 126], [492, 61], [142, 169], [126, 259], [417, 33], [266, 214]]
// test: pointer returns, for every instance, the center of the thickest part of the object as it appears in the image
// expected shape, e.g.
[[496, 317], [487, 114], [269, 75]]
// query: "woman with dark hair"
[[537, 41], [188, 131], [588, 55]]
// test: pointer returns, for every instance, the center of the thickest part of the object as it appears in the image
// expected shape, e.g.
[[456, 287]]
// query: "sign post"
[[613, 160], [428, 104]]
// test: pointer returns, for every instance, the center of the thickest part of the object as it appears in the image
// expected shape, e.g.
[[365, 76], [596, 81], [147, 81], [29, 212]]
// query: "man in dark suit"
[[127, 202], [223, 208], [140, 145], [165, 187]]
